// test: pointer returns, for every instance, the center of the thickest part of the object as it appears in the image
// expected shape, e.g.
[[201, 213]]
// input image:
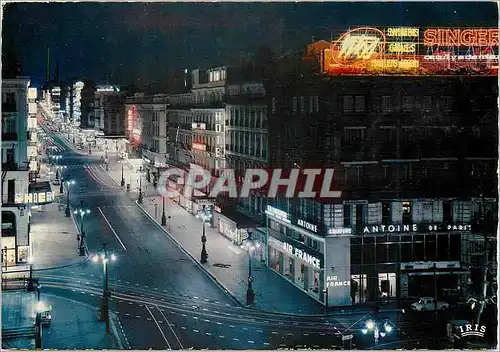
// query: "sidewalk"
[[53, 236], [272, 292], [74, 324]]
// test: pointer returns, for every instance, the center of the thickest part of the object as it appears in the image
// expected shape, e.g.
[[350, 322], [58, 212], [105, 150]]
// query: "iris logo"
[[472, 330]]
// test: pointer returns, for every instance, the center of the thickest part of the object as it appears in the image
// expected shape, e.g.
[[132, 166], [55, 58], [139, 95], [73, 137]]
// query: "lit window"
[[348, 103], [302, 104]]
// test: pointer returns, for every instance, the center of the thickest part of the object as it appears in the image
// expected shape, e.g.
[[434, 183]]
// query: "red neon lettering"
[[467, 37], [461, 37], [430, 37]]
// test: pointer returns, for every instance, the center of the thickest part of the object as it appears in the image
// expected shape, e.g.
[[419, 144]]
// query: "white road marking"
[[194, 330], [112, 229], [235, 339], [170, 326], [274, 332], [260, 331], [206, 320], [305, 334], [222, 336], [158, 325], [231, 326], [196, 318], [219, 323], [183, 327], [208, 334], [250, 341]]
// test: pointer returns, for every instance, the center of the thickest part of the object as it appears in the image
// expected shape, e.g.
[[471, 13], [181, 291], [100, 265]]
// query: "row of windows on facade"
[[388, 249], [208, 97], [247, 117], [407, 135], [299, 104], [357, 103], [354, 215], [406, 171]]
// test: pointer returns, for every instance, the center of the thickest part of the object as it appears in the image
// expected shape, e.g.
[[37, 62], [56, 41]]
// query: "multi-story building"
[[75, 102], [113, 108], [55, 100], [415, 160], [17, 193], [87, 104], [146, 130], [180, 124], [34, 166], [101, 95], [208, 114]]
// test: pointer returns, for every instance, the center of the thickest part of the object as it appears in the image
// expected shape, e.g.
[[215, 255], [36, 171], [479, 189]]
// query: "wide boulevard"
[[161, 297]]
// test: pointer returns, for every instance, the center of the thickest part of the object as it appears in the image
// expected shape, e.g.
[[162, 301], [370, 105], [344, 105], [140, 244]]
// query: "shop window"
[[315, 244], [393, 252], [381, 250], [387, 284], [347, 215], [406, 249], [418, 252], [368, 251], [356, 251], [430, 247], [407, 213], [443, 250]]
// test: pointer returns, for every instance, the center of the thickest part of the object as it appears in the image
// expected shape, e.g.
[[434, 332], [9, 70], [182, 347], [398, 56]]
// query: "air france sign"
[[333, 281], [302, 255]]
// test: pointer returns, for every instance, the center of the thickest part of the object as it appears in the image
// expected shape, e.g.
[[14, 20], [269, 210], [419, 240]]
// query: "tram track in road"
[[149, 324], [202, 309]]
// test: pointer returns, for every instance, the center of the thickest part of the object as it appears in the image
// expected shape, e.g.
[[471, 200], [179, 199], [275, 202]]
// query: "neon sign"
[[360, 44], [461, 37], [410, 50]]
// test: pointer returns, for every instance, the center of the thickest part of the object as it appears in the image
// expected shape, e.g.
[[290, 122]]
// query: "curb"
[[205, 270], [120, 339], [49, 268], [229, 293]]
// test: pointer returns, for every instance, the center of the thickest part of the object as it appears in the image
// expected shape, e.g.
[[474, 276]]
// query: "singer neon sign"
[[461, 37]]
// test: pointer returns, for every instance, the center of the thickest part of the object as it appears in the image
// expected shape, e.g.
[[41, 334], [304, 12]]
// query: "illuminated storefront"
[[413, 51], [353, 265]]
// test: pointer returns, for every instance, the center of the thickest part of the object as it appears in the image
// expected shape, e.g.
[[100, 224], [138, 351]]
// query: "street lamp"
[[163, 217], [379, 330], [205, 215], [250, 244], [104, 257], [30, 282], [82, 232], [140, 186], [122, 183], [68, 184]]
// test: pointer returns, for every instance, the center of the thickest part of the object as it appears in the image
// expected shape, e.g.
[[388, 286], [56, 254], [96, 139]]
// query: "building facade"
[[15, 171], [415, 162]]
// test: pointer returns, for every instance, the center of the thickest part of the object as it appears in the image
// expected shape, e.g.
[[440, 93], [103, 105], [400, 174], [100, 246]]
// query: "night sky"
[[138, 43]]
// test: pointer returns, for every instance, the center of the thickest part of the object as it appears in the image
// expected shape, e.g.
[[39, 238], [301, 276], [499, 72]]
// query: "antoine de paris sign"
[[414, 228]]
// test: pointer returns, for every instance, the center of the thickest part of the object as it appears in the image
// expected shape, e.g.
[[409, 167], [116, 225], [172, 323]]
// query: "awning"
[[241, 221]]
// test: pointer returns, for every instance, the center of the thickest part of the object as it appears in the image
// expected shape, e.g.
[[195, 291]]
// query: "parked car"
[[56, 182], [429, 304]]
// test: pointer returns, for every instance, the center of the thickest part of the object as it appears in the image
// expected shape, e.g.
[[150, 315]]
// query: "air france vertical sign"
[[338, 270]]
